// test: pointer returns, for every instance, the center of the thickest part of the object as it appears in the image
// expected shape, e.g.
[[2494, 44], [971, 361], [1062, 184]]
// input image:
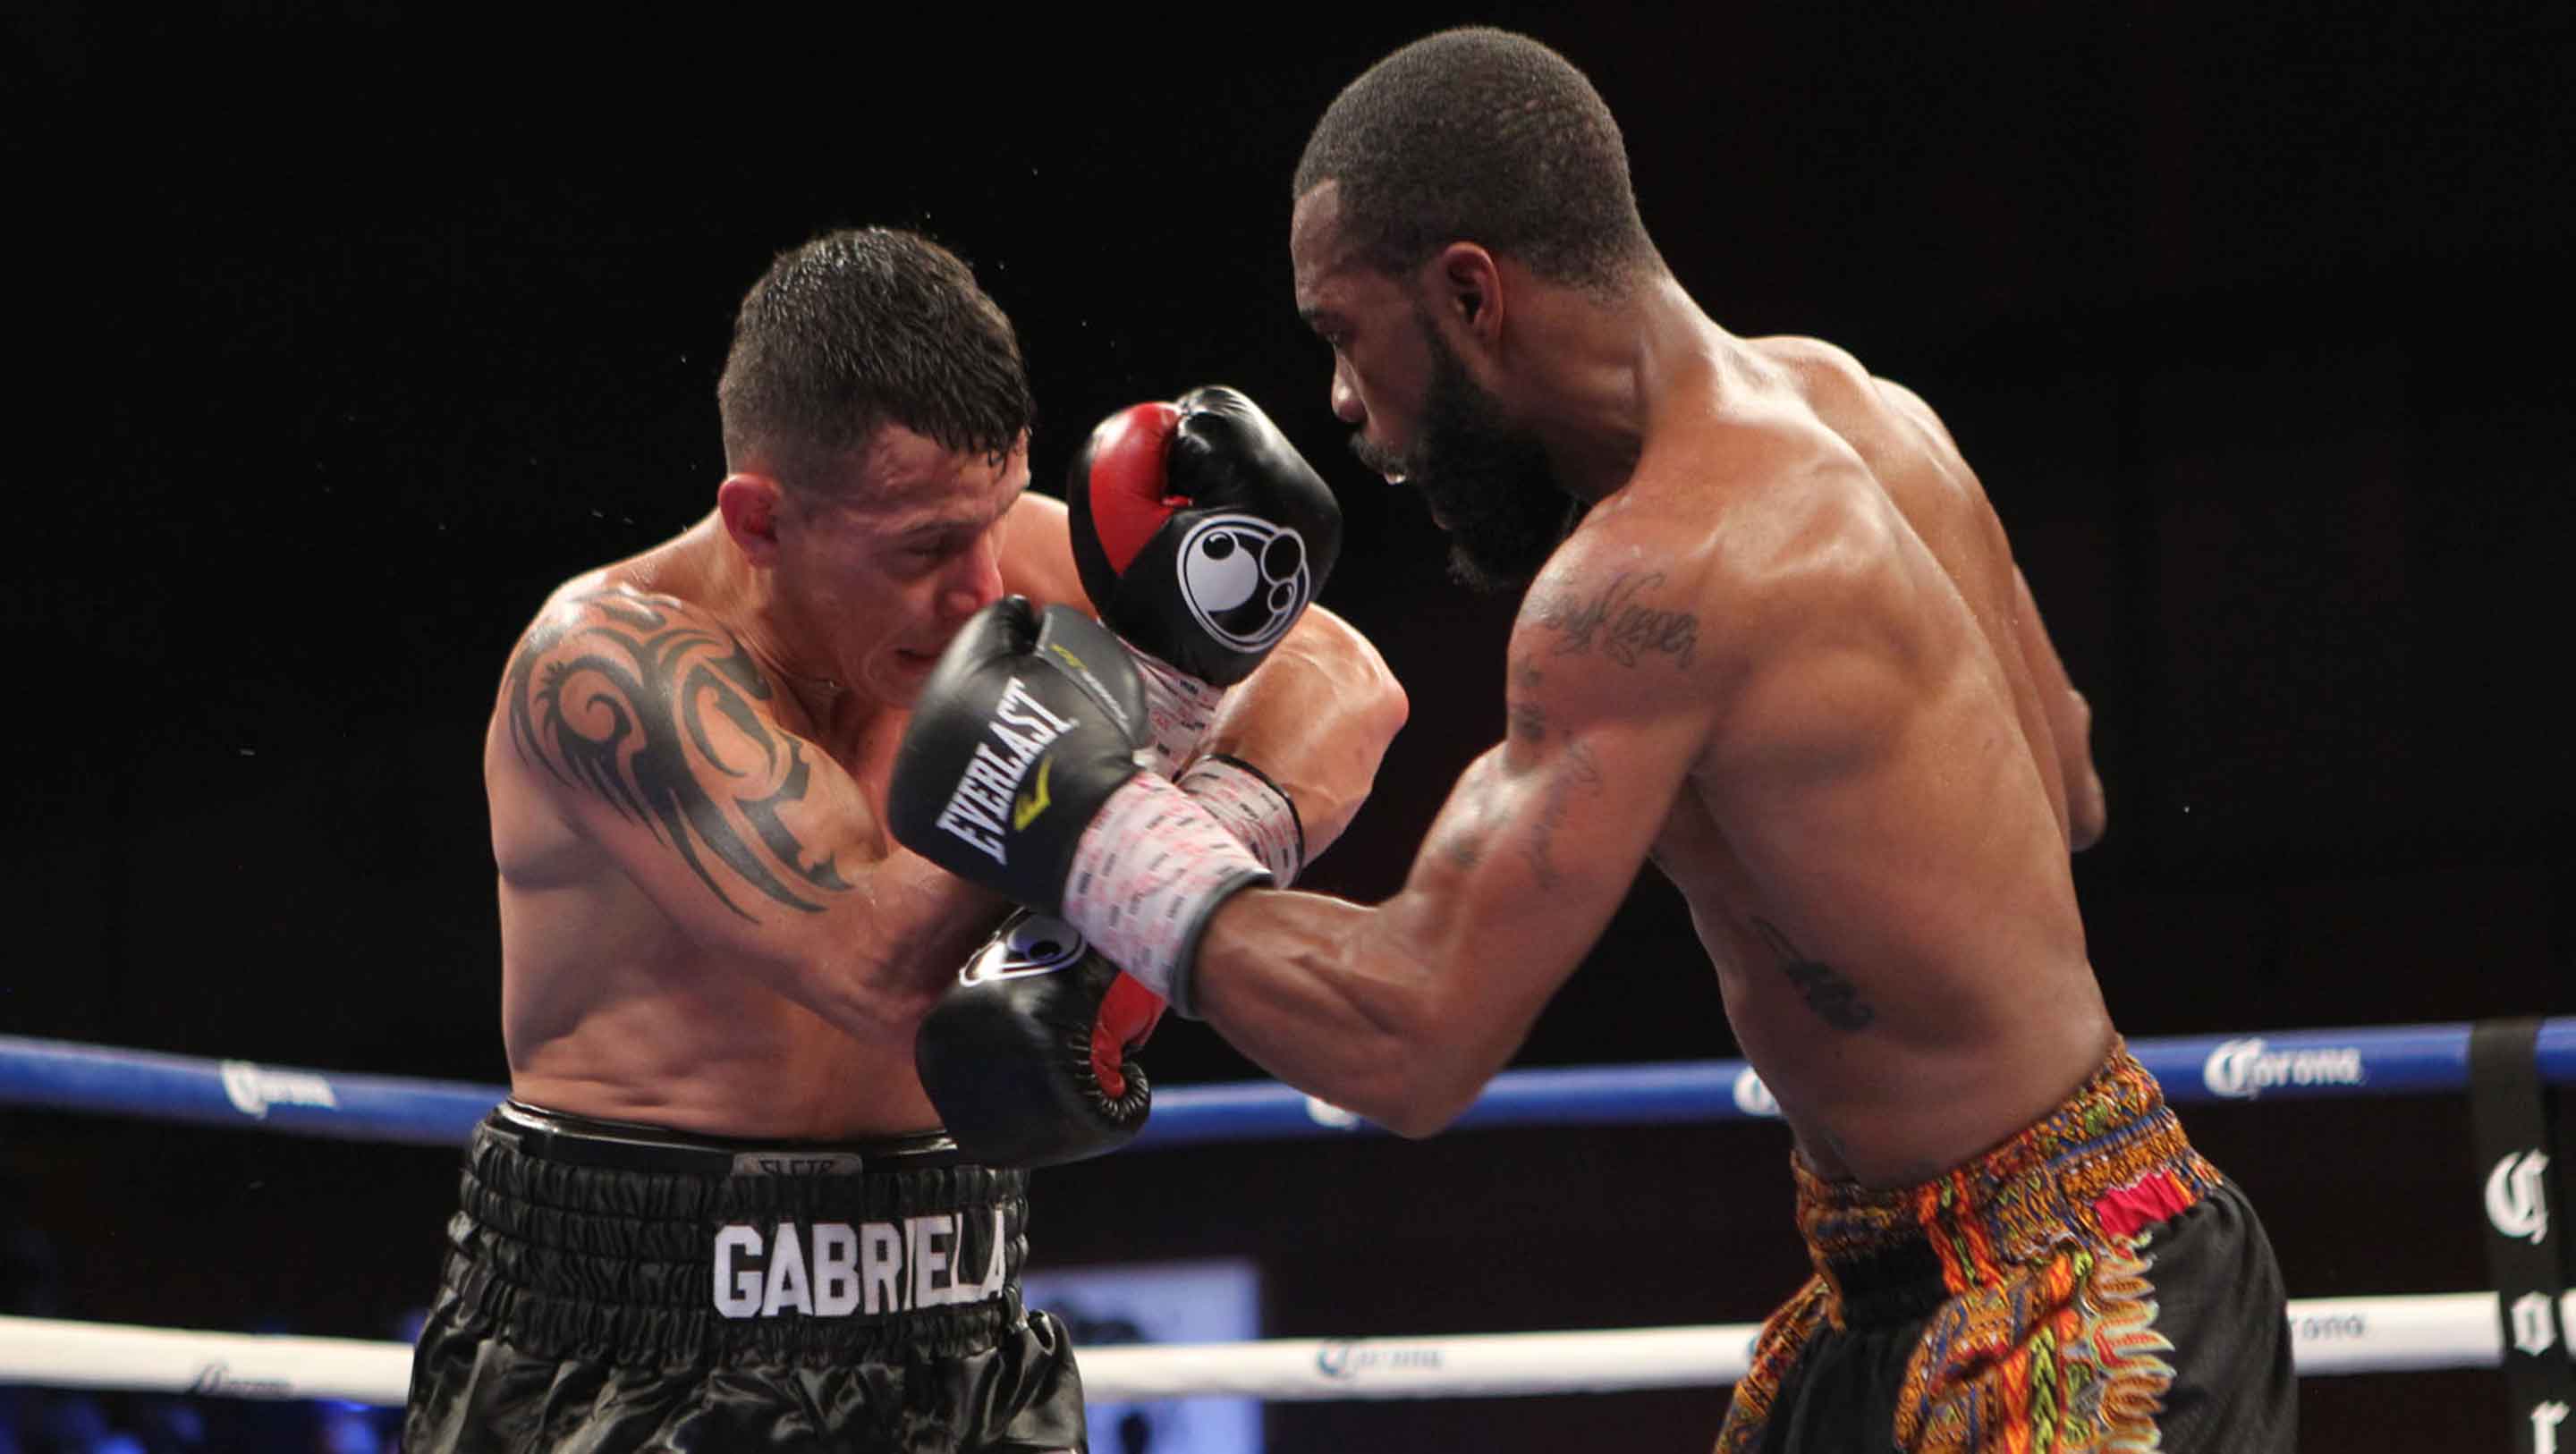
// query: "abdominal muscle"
[[609, 1012], [1972, 1031]]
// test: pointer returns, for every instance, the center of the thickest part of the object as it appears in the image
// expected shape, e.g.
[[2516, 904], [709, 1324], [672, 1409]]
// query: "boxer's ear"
[[748, 505], [1467, 284]]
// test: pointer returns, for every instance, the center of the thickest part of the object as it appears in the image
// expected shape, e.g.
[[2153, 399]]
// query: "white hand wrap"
[[1148, 872], [1254, 810], [1179, 709]]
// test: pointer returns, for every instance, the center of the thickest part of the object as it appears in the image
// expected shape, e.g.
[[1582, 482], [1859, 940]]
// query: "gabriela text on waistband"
[[841, 1269]]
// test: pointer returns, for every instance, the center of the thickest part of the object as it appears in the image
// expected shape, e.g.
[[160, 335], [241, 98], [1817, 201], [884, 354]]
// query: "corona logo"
[[2517, 1199]]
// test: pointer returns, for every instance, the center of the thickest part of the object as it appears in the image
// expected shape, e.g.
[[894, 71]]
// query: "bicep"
[[1402, 1012], [1536, 848], [1524, 866]]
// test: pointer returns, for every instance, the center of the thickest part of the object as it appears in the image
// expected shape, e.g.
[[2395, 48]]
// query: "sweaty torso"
[[613, 1007], [1895, 932]]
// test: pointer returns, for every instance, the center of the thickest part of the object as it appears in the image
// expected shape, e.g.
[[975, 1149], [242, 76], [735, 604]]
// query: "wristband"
[[1179, 708], [1150, 869], [1257, 811]]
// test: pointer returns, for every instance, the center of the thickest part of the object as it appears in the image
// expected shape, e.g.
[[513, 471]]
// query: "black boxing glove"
[[1019, 771], [1201, 533], [1027, 1056], [1022, 730]]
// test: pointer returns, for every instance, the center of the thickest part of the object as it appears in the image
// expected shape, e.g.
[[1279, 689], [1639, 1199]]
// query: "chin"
[[897, 678]]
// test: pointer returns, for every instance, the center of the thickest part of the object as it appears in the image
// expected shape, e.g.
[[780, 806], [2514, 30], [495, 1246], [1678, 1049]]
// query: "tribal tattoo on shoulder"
[[622, 702], [1834, 998], [1617, 619]]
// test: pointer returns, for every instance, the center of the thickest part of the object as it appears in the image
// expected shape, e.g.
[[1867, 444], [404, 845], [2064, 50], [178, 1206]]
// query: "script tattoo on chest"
[[1618, 621], [1835, 999], [626, 702]]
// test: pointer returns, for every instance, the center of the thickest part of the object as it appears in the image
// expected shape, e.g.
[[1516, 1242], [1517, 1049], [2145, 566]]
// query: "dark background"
[[340, 340]]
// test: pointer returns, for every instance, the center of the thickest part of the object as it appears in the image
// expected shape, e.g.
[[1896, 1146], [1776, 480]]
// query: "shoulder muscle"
[[656, 730]]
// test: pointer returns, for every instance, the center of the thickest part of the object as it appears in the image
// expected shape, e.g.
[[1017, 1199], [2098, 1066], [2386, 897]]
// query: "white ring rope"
[[2328, 1336]]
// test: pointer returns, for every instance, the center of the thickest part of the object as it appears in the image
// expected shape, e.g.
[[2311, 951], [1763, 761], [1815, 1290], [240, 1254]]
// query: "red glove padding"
[[1201, 533]]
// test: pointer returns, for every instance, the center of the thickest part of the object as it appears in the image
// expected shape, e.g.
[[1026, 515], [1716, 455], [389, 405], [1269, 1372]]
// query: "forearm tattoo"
[[625, 703], [1835, 999], [1617, 620]]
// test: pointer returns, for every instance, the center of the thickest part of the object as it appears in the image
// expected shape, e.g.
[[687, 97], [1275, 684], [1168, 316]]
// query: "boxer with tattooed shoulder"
[[720, 1210]]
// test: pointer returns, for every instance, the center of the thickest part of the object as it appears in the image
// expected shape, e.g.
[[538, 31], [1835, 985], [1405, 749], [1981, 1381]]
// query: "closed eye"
[[1325, 327], [927, 550]]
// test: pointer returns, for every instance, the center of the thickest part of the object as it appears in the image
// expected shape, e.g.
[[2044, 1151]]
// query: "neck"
[[1604, 370], [745, 598]]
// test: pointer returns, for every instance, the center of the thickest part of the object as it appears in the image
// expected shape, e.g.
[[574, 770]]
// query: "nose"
[[975, 581], [1346, 396]]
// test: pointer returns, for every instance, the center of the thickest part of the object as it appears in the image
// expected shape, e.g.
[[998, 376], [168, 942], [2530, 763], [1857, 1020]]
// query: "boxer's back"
[[1888, 900]]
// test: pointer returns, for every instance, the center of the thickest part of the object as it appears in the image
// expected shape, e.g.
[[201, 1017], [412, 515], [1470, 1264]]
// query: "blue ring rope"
[[2278, 1065]]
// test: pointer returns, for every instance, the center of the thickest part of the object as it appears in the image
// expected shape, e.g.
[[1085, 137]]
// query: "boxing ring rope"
[[2381, 1060], [2330, 1335]]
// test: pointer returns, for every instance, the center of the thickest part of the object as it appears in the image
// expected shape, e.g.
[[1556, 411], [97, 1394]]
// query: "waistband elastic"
[[630, 1243], [2108, 1161], [634, 1146]]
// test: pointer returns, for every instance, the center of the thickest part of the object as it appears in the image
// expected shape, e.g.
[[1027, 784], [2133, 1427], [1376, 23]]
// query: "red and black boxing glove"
[[1027, 1056], [1201, 533]]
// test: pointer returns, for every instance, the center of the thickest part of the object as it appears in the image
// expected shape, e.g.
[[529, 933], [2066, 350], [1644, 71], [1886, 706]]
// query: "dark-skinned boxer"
[[1772, 640]]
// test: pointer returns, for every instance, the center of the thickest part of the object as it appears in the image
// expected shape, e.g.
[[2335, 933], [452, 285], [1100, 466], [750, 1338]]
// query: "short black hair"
[[1479, 135], [858, 329]]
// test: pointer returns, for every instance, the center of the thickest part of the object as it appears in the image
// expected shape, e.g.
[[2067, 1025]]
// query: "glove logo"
[[1244, 578], [988, 792], [1032, 800], [1035, 944]]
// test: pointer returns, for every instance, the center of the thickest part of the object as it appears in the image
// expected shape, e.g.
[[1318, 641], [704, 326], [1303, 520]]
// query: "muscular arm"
[[1316, 717], [650, 733], [2070, 722], [1404, 1010]]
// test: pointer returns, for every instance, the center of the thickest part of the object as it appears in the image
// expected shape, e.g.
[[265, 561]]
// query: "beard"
[[1487, 481]]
